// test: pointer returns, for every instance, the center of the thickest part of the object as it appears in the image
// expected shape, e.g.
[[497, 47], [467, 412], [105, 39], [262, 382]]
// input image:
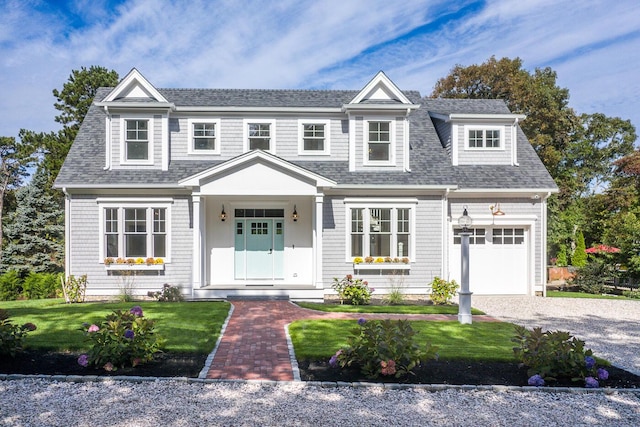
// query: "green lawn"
[[189, 327], [564, 294], [396, 309], [487, 341]]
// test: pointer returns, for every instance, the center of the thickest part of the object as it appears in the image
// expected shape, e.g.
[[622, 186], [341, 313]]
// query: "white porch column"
[[317, 240], [197, 243]]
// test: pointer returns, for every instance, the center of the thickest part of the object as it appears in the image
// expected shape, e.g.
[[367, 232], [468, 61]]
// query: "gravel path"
[[611, 328]]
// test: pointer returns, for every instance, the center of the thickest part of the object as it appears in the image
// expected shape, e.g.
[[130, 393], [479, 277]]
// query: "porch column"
[[317, 240], [197, 243]]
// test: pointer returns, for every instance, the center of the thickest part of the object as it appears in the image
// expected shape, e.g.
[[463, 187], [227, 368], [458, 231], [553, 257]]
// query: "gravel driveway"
[[611, 328]]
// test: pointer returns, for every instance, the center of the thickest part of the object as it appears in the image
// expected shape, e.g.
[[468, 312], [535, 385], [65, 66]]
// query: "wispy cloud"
[[311, 44]]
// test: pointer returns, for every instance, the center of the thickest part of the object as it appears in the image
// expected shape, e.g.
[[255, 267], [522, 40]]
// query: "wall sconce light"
[[495, 210], [294, 216], [223, 214]]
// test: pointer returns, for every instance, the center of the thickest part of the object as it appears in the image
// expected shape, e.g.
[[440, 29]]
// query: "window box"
[[381, 266], [131, 267]]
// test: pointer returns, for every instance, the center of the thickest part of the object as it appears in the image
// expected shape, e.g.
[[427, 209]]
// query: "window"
[[259, 136], [205, 136], [135, 232], [477, 236], [380, 232], [314, 137], [484, 138], [379, 141], [137, 139], [508, 236]]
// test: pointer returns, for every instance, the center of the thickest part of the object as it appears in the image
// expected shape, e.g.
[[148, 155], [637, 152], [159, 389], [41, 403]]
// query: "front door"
[[259, 248]]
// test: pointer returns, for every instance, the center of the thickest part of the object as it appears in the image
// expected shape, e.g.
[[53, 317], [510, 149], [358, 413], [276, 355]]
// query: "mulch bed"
[[190, 365]]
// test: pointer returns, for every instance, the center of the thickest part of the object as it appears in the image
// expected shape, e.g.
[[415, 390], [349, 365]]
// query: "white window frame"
[[392, 141], [366, 222], [191, 148], [149, 207], [272, 133], [123, 140], [327, 137], [484, 129]]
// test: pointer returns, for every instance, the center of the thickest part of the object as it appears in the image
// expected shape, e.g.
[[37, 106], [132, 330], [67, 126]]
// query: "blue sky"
[[325, 44]]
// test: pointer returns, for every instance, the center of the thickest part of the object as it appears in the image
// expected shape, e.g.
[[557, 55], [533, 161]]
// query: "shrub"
[[562, 261], [632, 294], [74, 288], [593, 277], [442, 291], [124, 338], [10, 286], [383, 347], [12, 336], [167, 294], [352, 291], [41, 285], [579, 257], [553, 355]]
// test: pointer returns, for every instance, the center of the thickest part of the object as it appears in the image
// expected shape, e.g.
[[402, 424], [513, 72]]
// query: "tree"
[[14, 161], [579, 257], [73, 101], [34, 231]]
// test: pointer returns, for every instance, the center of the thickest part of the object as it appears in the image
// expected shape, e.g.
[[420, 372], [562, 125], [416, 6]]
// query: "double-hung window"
[[260, 135], [314, 137], [379, 141], [137, 140], [380, 231], [205, 136], [484, 138], [135, 232]]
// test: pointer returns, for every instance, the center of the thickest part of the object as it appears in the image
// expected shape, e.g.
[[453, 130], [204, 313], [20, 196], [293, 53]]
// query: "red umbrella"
[[597, 249]]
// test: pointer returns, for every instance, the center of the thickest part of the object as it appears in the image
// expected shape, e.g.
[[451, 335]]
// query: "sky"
[[594, 46]]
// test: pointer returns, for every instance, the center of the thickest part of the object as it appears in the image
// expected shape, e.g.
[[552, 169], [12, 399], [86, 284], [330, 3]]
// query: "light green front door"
[[259, 248]]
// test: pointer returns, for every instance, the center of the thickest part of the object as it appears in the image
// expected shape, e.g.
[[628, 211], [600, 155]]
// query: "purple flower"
[[128, 334], [83, 360], [94, 328], [136, 310], [603, 374], [536, 381], [590, 362], [361, 321], [591, 382], [333, 362]]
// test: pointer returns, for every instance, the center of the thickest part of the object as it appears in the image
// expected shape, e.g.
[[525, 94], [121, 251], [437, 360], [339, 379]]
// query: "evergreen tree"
[[579, 258], [34, 231]]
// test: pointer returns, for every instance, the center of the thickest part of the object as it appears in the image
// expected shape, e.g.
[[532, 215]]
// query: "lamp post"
[[464, 296]]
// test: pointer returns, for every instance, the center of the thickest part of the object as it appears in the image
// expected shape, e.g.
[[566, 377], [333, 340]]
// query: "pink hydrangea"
[[94, 328], [108, 366]]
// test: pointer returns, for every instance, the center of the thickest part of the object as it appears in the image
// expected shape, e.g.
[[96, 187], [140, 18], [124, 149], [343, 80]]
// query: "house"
[[276, 192]]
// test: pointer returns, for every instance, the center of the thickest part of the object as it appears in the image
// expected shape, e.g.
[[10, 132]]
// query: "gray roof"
[[429, 161]]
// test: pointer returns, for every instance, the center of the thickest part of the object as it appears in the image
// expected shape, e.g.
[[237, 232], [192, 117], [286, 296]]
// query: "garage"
[[498, 259]]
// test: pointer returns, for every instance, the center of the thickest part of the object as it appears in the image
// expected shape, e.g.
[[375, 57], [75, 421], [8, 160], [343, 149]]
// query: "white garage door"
[[498, 260]]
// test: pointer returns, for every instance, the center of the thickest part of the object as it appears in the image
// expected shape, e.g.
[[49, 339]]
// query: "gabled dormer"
[[137, 124], [472, 137], [379, 126]]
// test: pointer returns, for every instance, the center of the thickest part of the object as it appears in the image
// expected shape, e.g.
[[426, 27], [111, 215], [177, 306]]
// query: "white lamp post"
[[464, 296]]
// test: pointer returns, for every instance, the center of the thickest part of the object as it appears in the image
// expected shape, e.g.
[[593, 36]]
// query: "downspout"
[[406, 142], [67, 232], [445, 226], [543, 207], [514, 142], [107, 149]]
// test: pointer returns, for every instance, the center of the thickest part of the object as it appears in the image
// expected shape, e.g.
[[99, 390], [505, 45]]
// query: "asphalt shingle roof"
[[429, 162]]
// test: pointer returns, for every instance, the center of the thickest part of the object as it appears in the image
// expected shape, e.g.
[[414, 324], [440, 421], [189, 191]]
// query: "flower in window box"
[[159, 261], [120, 261], [379, 260], [396, 260], [405, 260], [368, 259], [108, 261], [149, 261], [139, 261], [131, 261], [387, 259], [357, 260]]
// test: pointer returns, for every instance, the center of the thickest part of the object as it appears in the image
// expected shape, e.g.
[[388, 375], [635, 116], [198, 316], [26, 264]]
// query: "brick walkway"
[[254, 343]]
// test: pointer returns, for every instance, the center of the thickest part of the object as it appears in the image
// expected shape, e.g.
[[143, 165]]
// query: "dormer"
[[379, 126], [479, 138], [137, 124]]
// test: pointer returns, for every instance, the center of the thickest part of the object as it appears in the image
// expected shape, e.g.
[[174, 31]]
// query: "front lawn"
[[187, 327], [395, 309], [565, 294], [480, 341]]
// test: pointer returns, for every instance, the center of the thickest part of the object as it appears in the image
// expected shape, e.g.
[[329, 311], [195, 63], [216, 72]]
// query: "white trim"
[[150, 142], [455, 141], [327, 137], [392, 141], [133, 78], [67, 232], [147, 267], [134, 200], [368, 201], [381, 266], [191, 141], [164, 138], [258, 120], [108, 141], [468, 128], [352, 142], [380, 80], [406, 144], [245, 109], [318, 219]]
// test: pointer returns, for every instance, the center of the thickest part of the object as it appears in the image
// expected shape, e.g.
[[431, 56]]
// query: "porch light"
[[495, 210], [294, 216], [223, 214], [465, 220]]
